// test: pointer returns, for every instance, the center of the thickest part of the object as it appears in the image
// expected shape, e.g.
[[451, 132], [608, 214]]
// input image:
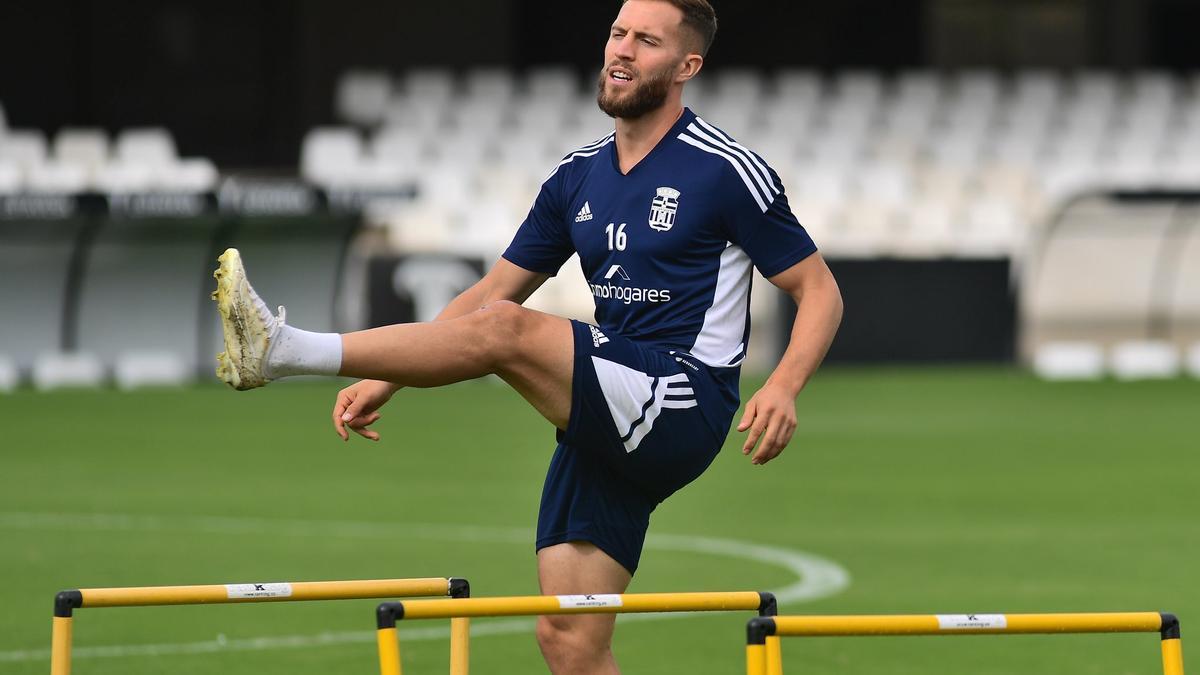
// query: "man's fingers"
[[359, 425], [339, 409], [747, 417], [767, 447], [354, 409], [760, 425], [776, 439]]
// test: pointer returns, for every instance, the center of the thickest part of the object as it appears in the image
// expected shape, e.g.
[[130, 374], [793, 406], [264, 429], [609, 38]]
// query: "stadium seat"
[[25, 147], [547, 83], [884, 183], [421, 226], [123, 177], [187, 175], [57, 177], [61, 370], [796, 88], [138, 369], [362, 96], [1192, 361], [10, 377], [10, 177], [1144, 360], [434, 85], [153, 146], [738, 85], [492, 86], [479, 120], [87, 147], [929, 229], [1069, 361], [329, 153], [425, 116]]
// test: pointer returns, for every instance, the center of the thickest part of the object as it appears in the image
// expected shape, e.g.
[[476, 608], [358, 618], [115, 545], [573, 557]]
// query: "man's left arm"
[[771, 413]]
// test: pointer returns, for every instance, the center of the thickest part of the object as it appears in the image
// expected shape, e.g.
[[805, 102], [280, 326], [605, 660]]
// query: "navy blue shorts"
[[643, 424]]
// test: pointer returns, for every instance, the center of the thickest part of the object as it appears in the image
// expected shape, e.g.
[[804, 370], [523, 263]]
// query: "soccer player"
[[667, 213]]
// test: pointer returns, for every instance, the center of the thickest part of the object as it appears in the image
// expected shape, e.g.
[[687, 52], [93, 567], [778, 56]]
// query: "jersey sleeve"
[[760, 221], [543, 242]]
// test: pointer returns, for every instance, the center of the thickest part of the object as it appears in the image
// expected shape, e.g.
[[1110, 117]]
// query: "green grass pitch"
[[937, 490]]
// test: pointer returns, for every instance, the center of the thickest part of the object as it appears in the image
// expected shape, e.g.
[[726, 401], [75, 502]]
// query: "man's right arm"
[[505, 281]]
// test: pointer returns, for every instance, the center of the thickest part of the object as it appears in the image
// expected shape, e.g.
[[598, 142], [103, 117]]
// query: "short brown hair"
[[698, 17]]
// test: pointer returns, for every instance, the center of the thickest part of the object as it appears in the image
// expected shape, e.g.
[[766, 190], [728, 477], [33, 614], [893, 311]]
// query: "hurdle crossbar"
[[759, 630], [66, 602], [388, 613]]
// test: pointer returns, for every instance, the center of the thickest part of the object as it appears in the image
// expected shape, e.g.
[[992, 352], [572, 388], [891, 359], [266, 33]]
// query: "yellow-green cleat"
[[247, 325]]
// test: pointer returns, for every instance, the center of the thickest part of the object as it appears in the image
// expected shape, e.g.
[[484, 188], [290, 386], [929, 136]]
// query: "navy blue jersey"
[[667, 249]]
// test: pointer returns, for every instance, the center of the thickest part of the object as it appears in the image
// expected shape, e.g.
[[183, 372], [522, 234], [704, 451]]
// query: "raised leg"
[[533, 352]]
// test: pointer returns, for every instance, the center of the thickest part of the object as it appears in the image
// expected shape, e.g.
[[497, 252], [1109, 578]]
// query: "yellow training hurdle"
[[761, 661], [66, 602], [389, 612]]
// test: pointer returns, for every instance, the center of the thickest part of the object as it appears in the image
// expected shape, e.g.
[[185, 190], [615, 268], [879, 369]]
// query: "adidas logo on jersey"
[[585, 214], [597, 337]]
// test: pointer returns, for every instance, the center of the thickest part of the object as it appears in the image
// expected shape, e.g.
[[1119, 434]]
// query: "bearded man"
[[667, 214]]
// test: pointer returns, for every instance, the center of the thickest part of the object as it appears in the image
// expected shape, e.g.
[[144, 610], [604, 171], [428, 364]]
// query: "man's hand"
[[771, 418], [357, 405]]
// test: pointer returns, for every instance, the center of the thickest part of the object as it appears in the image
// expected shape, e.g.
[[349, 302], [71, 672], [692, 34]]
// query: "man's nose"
[[625, 50]]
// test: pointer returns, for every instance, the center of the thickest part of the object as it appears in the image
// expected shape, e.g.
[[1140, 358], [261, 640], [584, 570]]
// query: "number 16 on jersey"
[[617, 239]]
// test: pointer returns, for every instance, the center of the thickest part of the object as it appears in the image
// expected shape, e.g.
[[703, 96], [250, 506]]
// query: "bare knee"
[[578, 644], [500, 326]]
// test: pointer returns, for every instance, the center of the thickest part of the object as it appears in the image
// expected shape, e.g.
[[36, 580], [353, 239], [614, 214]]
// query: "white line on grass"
[[816, 577]]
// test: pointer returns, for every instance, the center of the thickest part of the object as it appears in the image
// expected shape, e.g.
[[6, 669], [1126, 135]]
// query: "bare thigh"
[[543, 368], [532, 351], [577, 568]]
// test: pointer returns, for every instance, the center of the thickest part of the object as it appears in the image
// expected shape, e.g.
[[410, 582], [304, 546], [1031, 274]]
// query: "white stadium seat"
[[187, 175], [328, 153], [139, 369], [1069, 361], [26, 147], [10, 177], [1192, 363], [62, 370], [553, 83], [149, 145], [57, 177], [362, 96], [1144, 360], [123, 177], [88, 147], [402, 146], [490, 86], [435, 85], [10, 377]]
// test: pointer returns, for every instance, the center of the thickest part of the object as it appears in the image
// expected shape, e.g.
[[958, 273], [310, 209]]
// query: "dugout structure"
[[388, 613], [759, 631], [66, 602], [1114, 267]]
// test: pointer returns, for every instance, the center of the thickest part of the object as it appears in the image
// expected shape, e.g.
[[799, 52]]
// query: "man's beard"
[[649, 94]]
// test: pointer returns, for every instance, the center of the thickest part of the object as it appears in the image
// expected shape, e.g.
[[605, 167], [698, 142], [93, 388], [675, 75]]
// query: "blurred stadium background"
[[1008, 193]]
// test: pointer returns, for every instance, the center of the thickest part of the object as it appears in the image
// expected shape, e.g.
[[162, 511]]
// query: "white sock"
[[300, 352]]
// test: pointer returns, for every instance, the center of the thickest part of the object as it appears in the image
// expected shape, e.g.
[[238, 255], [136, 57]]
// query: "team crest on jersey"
[[663, 208]]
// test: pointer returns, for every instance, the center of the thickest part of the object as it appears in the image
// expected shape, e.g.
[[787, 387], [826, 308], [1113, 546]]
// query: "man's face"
[[641, 60]]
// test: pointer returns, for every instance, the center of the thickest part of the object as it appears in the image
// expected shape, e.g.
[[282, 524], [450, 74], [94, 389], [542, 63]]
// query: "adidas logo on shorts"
[[585, 214], [597, 337]]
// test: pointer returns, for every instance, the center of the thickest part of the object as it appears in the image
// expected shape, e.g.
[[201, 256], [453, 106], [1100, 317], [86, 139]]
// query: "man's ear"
[[692, 63]]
